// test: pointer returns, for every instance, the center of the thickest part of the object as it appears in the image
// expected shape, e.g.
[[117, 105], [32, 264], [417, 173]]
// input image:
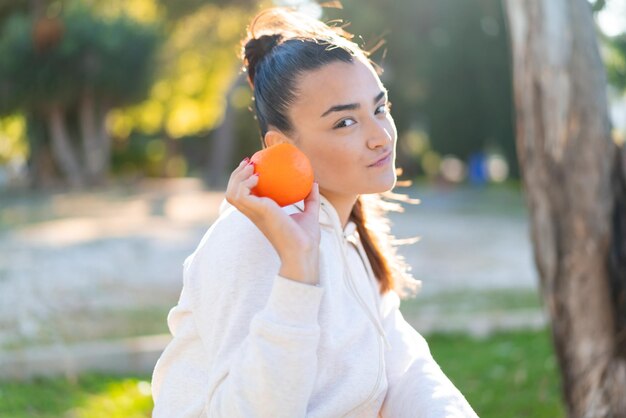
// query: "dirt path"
[[67, 256]]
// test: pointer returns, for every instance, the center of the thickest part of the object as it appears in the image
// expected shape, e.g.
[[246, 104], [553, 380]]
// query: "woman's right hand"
[[295, 237]]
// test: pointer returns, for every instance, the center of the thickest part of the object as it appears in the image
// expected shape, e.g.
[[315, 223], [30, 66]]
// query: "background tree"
[[65, 73], [189, 123], [574, 179]]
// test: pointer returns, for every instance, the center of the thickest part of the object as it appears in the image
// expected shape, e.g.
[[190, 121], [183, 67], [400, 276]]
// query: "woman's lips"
[[383, 161]]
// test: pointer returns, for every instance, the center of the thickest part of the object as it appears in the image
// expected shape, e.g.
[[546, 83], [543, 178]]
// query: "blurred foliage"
[[615, 60], [177, 9], [110, 58], [170, 133], [446, 64], [10, 7], [195, 67], [597, 5], [64, 67], [197, 64], [168, 10], [614, 51], [13, 143]]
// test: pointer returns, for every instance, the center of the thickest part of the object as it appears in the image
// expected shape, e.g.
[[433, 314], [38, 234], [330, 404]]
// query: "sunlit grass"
[[510, 374], [92, 396], [128, 398]]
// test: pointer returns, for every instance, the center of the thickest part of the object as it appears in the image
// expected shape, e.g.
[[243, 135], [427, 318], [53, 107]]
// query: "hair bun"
[[256, 49]]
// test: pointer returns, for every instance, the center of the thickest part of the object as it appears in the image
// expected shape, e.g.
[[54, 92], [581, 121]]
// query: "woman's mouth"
[[382, 162]]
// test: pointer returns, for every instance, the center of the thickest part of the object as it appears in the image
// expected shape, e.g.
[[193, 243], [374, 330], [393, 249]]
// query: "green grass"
[[472, 301], [510, 374], [92, 396]]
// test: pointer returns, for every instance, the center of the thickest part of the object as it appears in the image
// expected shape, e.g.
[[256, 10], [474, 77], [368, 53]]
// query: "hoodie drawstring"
[[372, 317], [335, 224]]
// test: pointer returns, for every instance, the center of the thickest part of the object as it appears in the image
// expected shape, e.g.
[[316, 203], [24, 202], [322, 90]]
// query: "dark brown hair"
[[282, 44]]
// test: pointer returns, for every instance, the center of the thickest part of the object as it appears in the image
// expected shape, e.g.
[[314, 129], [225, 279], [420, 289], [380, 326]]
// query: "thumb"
[[312, 201]]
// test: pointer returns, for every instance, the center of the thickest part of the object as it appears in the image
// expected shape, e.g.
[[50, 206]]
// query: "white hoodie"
[[248, 342]]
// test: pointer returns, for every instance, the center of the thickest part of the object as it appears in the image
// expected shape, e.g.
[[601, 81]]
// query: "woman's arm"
[[417, 385], [250, 295], [272, 369]]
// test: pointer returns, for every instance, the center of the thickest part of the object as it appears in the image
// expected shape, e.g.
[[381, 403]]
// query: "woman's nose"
[[379, 134]]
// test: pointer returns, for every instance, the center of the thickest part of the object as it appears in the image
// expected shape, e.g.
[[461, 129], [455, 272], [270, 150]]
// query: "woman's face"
[[342, 123]]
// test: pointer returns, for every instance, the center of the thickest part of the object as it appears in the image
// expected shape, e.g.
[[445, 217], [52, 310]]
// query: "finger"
[[242, 164], [312, 201], [238, 176], [235, 175], [244, 193], [313, 194], [250, 182]]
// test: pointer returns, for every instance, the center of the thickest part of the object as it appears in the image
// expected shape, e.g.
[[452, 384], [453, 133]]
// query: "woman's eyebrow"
[[352, 106], [380, 96]]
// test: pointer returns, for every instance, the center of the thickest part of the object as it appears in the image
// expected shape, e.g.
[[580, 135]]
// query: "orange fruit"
[[285, 174]]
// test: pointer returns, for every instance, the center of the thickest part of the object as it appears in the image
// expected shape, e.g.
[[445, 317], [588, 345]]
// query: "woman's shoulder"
[[232, 222], [233, 231], [232, 236], [389, 301]]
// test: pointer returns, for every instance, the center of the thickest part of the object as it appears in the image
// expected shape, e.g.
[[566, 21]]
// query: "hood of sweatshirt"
[[328, 215], [329, 218]]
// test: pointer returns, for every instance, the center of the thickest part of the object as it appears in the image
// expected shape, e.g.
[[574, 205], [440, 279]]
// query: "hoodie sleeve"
[[417, 385], [259, 330]]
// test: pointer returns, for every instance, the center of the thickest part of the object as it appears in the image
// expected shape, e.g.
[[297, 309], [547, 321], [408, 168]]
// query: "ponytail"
[[369, 213]]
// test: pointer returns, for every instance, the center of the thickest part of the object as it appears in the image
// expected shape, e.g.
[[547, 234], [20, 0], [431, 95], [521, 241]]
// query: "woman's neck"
[[342, 203]]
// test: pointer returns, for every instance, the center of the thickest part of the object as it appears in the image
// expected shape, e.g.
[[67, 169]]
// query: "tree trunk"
[[90, 137], [574, 183], [41, 167], [95, 138], [223, 142], [62, 147], [104, 139]]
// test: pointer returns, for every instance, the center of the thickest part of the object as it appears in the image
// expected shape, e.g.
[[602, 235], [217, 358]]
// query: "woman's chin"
[[382, 185]]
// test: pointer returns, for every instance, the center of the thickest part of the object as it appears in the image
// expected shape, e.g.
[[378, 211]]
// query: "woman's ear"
[[273, 137]]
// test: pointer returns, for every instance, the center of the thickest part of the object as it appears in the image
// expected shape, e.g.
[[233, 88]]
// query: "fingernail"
[[246, 159]]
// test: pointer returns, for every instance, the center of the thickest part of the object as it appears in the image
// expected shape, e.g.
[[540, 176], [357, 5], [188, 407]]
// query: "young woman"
[[293, 312]]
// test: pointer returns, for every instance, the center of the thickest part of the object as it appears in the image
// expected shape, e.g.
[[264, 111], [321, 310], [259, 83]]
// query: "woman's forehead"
[[337, 83]]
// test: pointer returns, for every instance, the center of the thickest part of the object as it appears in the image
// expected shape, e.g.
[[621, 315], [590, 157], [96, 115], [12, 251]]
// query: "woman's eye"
[[345, 123], [384, 108]]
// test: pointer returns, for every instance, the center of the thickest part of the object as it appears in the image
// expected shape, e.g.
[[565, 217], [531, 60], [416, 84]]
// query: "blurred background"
[[120, 122]]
